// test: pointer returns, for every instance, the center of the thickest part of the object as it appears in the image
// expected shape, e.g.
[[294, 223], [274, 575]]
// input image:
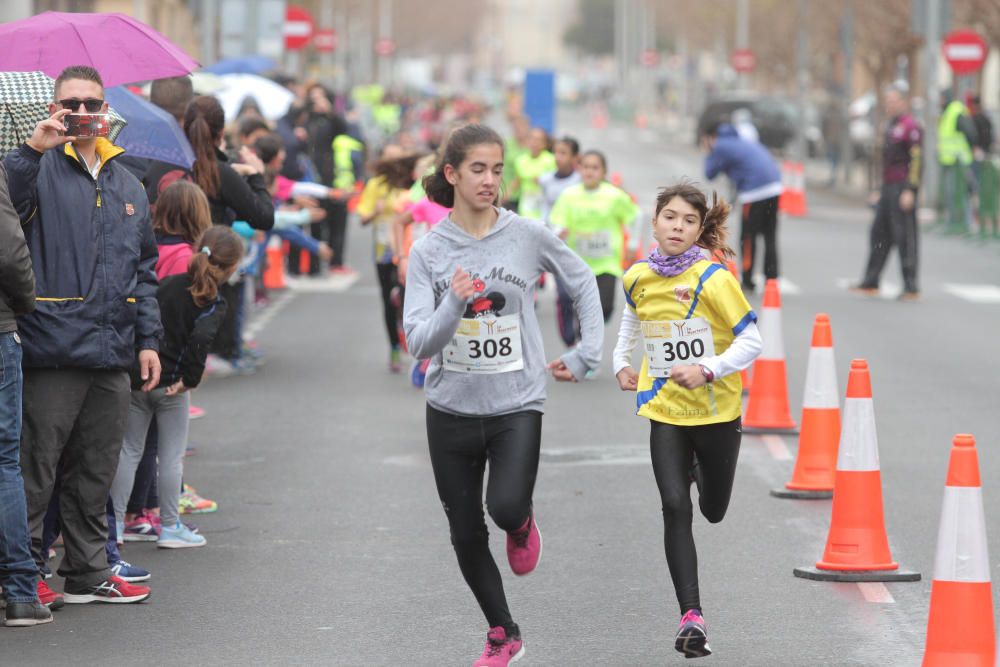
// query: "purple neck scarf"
[[670, 266]]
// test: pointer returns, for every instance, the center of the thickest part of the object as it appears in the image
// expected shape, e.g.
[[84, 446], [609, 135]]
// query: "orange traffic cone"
[[792, 200], [598, 118], [274, 274], [767, 407], [816, 462], [960, 625], [857, 548]]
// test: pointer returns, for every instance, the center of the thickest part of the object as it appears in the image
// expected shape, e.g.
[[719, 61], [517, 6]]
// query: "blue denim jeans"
[[18, 573]]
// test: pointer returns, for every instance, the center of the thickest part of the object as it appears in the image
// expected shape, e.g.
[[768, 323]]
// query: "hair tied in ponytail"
[[206, 250]]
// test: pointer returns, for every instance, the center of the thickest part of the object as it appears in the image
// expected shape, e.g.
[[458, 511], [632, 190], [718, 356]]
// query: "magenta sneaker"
[[141, 529], [524, 547], [692, 636], [500, 649]]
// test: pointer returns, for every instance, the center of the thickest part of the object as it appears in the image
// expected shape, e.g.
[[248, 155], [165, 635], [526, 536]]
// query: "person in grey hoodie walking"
[[470, 308]]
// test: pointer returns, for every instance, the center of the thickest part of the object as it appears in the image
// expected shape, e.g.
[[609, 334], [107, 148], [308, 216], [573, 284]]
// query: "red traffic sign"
[[385, 47], [298, 28], [743, 60], [965, 51], [325, 40]]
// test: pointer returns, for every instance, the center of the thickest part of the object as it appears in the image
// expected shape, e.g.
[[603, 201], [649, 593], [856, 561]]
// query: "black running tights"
[[387, 280], [673, 450], [460, 448]]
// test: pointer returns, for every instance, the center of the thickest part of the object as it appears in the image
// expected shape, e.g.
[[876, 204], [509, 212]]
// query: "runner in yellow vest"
[[528, 168], [514, 147], [591, 217]]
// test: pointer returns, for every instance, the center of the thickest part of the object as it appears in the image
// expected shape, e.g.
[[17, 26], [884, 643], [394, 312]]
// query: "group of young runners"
[[469, 311]]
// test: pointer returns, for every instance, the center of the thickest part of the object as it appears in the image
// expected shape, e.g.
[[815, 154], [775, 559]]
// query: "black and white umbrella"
[[24, 101]]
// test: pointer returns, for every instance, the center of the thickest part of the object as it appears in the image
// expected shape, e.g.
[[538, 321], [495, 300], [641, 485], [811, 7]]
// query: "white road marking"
[[776, 446], [875, 591], [786, 286], [974, 293], [617, 454], [886, 290], [326, 284], [258, 324]]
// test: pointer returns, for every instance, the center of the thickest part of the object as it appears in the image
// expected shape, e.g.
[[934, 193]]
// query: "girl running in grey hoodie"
[[470, 308]]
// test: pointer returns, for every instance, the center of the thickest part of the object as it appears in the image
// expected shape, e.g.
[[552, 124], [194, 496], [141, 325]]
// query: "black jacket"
[[238, 199], [17, 282], [94, 257], [188, 332]]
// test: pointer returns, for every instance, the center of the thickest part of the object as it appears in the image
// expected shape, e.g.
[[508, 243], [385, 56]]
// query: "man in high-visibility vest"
[[348, 162], [956, 136], [895, 215]]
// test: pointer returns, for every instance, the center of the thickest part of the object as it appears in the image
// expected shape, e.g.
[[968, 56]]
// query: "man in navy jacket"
[[86, 220], [758, 185]]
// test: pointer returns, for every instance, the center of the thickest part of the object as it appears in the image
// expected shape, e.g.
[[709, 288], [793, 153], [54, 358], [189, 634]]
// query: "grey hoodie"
[[508, 261]]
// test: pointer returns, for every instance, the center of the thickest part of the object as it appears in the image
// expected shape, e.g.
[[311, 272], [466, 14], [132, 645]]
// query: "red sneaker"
[[113, 590], [49, 597], [524, 548]]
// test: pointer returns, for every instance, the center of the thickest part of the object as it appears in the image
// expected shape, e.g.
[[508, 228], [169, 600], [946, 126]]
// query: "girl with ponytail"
[[235, 192], [192, 311], [699, 332]]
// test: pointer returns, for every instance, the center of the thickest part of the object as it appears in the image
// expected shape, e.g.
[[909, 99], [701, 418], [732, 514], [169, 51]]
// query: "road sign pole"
[[803, 79], [932, 41]]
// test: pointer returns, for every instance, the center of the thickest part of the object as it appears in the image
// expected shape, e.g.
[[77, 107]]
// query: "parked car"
[[775, 118]]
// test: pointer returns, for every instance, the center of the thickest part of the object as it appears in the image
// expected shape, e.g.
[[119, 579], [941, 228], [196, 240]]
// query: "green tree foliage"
[[594, 30]]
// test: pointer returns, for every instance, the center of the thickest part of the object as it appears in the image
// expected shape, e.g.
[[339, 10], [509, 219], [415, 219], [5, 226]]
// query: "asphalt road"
[[330, 547]]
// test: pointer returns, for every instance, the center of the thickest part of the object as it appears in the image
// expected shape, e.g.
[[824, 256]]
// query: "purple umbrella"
[[120, 48]]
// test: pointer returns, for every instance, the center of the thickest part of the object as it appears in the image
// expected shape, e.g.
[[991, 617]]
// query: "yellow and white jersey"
[[707, 291]]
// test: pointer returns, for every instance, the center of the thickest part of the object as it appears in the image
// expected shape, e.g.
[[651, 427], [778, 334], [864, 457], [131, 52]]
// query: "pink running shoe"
[[524, 547], [142, 529], [194, 412], [692, 636], [500, 650]]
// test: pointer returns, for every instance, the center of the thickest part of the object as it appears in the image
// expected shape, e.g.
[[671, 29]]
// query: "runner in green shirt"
[[592, 217]]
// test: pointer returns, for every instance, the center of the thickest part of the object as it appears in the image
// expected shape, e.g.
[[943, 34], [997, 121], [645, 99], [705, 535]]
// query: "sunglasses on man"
[[91, 104]]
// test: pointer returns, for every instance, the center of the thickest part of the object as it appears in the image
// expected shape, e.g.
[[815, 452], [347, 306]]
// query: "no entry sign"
[[298, 27], [325, 40], [965, 51], [743, 60]]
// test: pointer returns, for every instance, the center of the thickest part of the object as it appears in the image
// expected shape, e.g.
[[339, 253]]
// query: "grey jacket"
[[17, 281], [505, 265]]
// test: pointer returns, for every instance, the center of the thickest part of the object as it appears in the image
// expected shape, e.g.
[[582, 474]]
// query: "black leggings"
[[460, 449], [673, 450], [387, 280], [607, 285], [760, 219]]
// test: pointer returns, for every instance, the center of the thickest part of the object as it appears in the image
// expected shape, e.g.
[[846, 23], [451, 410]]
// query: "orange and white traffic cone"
[[857, 548], [274, 273], [960, 626], [794, 194], [767, 407], [816, 462]]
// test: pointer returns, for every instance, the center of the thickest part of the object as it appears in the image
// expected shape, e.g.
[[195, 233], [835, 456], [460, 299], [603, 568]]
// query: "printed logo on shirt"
[[683, 294], [497, 274], [486, 307], [129, 209]]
